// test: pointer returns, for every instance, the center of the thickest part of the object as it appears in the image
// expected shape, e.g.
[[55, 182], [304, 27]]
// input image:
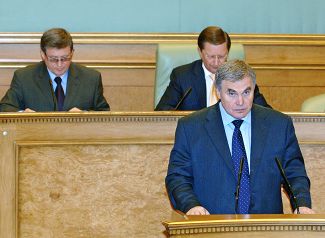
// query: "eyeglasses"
[[56, 60], [221, 58]]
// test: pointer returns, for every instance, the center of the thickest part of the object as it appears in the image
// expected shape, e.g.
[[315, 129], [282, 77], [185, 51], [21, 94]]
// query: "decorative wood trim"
[[246, 223], [154, 38], [90, 117], [278, 39], [288, 66], [135, 141], [93, 117], [14, 64], [313, 143], [300, 117], [246, 228]]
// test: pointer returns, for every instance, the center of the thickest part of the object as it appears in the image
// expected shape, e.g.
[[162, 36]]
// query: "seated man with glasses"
[[213, 47], [55, 83]]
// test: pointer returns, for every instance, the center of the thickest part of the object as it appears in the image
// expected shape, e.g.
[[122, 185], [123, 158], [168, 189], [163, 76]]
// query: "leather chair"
[[314, 104], [170, 56]]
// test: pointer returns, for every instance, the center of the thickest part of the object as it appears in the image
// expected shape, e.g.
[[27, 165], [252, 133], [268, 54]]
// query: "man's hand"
[[75, 109], [28, 110], [305, 210], [198, 210]]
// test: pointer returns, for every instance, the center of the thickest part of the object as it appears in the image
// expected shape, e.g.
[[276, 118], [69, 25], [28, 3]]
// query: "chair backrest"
[[314, 104], [172, 55]]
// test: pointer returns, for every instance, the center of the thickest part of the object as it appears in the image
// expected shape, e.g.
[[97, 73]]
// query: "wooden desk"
[[101, 174], [287, 66], [247, 226]]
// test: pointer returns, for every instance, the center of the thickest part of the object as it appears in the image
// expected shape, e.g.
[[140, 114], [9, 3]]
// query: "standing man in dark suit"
[[203, 169], [213, 47], [55, 84]]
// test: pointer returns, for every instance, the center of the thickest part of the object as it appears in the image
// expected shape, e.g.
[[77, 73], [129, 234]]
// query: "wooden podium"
[[233, 226], [101, 174]]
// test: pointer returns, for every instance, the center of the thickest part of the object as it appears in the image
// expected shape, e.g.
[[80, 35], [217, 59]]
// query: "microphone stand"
[[241, 163], [287, 184], [182, 99]]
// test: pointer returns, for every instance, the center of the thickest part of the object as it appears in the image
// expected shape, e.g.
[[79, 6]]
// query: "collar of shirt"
[[206, 72], [227, 119], [245, 130], [208, 83], [64, 78]]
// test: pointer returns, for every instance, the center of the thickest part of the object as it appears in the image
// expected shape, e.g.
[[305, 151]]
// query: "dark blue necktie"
[[59, 93], [238, 152]]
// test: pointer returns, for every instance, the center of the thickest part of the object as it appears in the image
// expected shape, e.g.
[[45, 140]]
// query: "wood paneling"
[[126, 89], [283, 98], [294, 64], [288, 87], [91, 189], [101, 174], [285, 54]]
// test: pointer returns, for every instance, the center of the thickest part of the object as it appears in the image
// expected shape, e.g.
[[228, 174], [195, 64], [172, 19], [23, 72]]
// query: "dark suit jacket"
[[192, 76], [31, 88], [201, 170]]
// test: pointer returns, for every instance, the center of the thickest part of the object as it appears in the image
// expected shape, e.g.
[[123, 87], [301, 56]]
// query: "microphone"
[[287, 184], [182, 99], [241, 165]]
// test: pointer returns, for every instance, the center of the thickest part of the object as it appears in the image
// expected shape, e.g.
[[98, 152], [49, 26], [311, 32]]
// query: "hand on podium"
[[305, 210], [198, 210]]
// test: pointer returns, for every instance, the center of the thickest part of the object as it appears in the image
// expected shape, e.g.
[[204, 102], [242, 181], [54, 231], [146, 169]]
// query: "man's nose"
[[59, 62], [240, 100]]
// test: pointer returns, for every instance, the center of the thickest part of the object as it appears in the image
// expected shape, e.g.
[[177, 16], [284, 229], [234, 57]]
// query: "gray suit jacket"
[[31, 88]]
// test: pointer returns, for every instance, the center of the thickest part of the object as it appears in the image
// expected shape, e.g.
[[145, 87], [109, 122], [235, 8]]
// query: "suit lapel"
[[216, 132], [200, 84], [45, 85], [258, 138], [72, 87]]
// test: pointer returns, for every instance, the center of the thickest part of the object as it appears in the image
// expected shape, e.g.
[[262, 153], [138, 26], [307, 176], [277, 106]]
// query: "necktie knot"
[[213, 77], [237, 123], [58, 80]]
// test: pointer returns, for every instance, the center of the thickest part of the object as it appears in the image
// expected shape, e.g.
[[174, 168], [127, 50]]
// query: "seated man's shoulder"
[[187, 68], [29, 68], [29, 72]]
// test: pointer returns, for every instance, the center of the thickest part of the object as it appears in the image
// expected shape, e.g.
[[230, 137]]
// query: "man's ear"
[[218, 92], [43, 56], [199, 51]]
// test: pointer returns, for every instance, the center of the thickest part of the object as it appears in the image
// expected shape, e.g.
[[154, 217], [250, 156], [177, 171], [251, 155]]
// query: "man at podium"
[[228, 158]]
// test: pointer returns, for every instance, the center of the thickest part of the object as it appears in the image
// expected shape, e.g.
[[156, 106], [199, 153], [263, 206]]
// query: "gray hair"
[[234, 70]]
